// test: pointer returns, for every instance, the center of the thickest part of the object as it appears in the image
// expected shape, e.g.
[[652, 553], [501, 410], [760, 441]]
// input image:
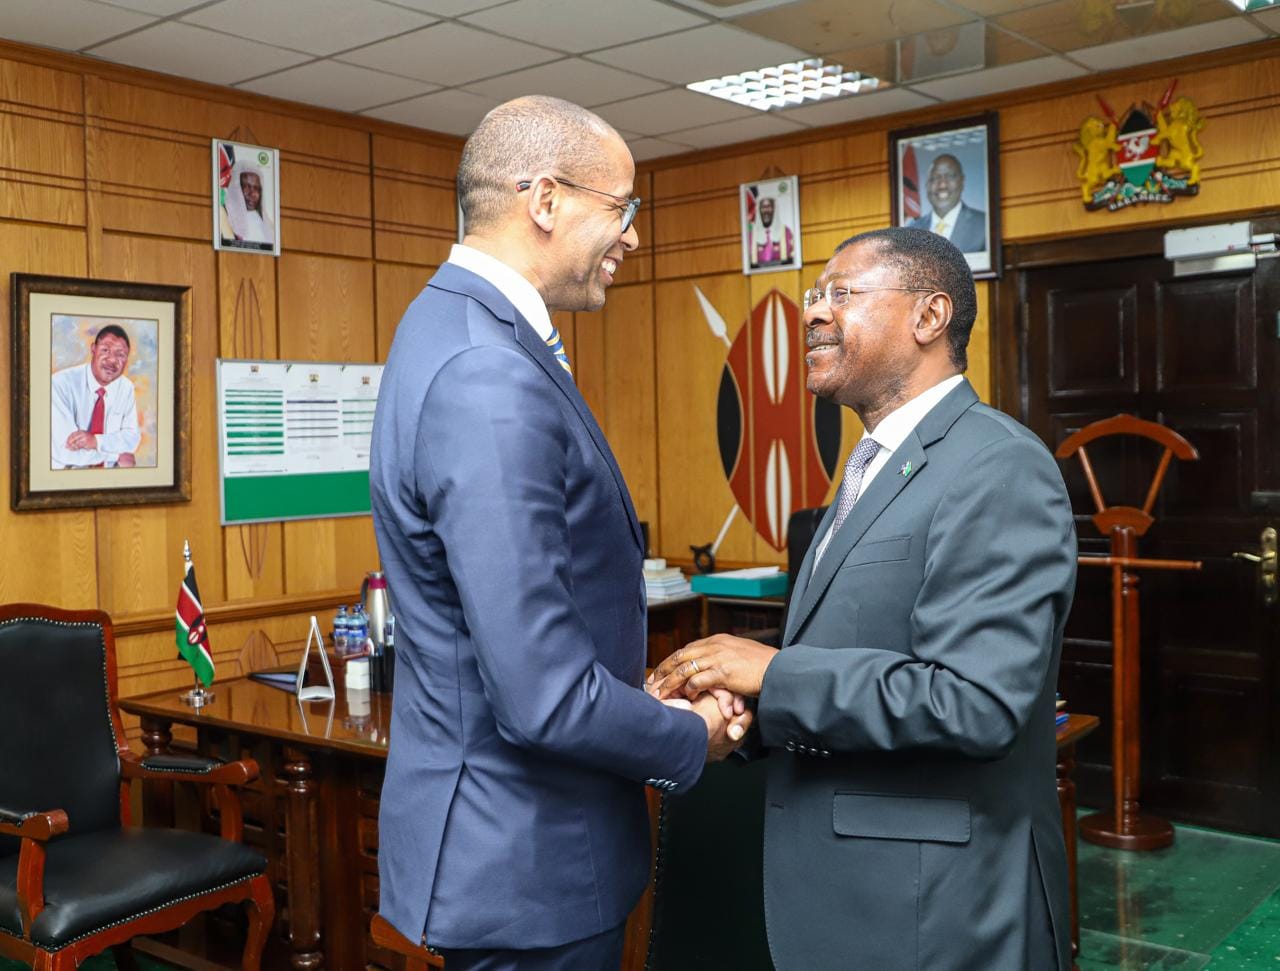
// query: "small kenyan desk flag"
[[193, 636]]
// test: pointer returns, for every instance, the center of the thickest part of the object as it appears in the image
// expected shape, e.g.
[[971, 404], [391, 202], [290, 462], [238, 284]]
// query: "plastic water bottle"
[[359, 630], [341, 631]]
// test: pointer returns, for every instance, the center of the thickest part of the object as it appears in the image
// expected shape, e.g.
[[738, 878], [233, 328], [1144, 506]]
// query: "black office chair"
[[75, 878]]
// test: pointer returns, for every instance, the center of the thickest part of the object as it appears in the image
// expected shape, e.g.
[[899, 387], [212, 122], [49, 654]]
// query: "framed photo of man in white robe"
[[770, 215], [246, 197], [946, 178]]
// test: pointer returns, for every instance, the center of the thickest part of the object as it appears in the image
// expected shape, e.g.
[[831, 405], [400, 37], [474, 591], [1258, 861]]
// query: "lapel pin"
[[905, 470]]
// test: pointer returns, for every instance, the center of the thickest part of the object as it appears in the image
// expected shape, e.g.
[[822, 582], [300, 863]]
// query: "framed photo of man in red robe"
[[770, 211]]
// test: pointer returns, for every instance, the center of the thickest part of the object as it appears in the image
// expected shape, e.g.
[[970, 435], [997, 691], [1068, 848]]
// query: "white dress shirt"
[[73, 393], [897, 425], [950, 220], [523, 295]]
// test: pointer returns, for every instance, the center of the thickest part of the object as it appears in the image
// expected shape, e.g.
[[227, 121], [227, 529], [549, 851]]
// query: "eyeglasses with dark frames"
[[628, 207], [837, 296]]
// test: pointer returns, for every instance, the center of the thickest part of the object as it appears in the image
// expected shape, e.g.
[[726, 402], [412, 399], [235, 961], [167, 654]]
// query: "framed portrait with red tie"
[[946, 178], [100, 392], [770, 212]]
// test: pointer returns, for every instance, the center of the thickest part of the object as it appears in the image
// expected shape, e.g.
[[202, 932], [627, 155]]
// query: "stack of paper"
[[662, 582]]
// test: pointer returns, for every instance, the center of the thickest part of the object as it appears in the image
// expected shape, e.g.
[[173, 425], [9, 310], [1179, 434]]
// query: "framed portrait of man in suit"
[[946, 178], [770, 211]]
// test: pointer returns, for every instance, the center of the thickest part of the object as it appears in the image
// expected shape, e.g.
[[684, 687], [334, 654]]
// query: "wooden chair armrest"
[[168, 767], [40, 826]]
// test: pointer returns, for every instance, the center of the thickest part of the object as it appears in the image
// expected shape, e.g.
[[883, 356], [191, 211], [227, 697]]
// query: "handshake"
[[713, 677]]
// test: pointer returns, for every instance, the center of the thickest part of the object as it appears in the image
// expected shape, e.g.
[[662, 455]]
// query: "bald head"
[[519, 139]]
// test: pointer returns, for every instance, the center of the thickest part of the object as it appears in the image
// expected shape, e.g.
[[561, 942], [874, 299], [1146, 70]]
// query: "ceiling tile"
[[69, 24], [859, 106], [332, 84], [647, 148], [454, 112], [576, 25], [193, 52], [315, 26], [651, 114], [732, 8], [1025, 74], [821, 26], [993, 8], [583, 82], [738, 130], [1067, 25], [447, 8], [448, 54], [1269, 19], [1173, 43], [160, 8], [704, 52]]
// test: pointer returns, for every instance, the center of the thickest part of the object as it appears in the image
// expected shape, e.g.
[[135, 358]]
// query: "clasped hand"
[[714, 676]]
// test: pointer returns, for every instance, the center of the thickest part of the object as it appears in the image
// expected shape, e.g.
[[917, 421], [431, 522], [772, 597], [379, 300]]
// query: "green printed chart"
[[294, 438]]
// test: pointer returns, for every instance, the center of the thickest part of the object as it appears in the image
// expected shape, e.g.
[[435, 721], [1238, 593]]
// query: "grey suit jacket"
[[912, 817]]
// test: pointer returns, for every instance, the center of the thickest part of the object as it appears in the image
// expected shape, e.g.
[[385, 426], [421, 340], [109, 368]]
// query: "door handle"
[[1267, 564]]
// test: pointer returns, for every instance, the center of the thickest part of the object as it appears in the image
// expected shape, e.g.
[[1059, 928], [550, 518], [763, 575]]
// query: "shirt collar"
[[522, 294], [899, 423]]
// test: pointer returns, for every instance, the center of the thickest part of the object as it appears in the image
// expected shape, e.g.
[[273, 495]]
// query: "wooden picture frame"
[[957, 164], [101, 398]]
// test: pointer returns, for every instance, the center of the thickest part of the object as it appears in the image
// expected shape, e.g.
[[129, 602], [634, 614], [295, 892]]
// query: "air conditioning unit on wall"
[[1224, 248]]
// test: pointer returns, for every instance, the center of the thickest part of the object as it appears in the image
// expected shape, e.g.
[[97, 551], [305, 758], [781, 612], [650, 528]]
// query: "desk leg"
[[157, 797], [1067, 801], [304, 870]]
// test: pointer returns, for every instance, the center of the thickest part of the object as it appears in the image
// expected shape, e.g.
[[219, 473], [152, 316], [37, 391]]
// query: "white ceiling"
[[441, 64]]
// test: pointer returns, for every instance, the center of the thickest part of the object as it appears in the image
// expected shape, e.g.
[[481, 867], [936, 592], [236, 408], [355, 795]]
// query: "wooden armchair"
[[75, 878]]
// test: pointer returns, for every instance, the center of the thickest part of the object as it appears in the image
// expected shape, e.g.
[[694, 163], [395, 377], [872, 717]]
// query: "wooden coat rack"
[[1126, 827]]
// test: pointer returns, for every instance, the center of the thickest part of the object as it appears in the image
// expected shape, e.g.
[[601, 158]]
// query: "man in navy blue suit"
[[513, 829]]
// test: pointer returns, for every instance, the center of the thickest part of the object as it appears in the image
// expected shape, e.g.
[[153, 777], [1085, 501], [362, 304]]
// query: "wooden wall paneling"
[[630, 409], [327, 314], [979, 351], [326, 206], [588, 357], [42, 163], [140, 547], [253, 555], [694, 497], [637, 267], [53, 554], [414, 201], [697, 224], [844, 190], [396, 286], [1241, 140]]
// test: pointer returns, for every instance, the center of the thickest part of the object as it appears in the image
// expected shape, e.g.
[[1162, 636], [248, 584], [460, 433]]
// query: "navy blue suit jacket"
[[513, 810]]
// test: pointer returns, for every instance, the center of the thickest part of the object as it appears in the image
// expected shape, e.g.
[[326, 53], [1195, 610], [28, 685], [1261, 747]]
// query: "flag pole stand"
[[197, 697]]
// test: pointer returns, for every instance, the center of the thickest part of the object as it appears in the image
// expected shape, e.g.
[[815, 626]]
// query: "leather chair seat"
[[108, 877]]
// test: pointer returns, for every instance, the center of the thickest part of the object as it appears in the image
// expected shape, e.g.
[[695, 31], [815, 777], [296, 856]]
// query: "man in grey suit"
[[513, 829], [964, 225], [912, 817]]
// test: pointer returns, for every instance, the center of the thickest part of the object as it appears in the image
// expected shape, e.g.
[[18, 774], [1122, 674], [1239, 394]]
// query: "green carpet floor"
[[1212, 900]]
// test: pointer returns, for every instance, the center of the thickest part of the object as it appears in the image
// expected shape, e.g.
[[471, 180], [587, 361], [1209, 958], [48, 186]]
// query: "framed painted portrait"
[[246, 197], [101, 392], [946, 178], [770, 213]]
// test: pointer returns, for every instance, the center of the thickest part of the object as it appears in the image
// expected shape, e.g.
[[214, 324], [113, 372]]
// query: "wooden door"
[[1202, 356]]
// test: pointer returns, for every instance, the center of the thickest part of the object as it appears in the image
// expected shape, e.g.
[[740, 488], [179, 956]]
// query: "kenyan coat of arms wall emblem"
[[1150, 154]]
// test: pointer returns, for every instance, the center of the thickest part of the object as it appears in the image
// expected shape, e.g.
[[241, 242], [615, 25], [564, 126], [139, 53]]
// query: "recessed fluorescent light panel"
[[787, 85]]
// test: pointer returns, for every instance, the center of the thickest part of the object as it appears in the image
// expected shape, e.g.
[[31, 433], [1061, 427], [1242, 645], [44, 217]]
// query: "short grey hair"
[[519, 139]]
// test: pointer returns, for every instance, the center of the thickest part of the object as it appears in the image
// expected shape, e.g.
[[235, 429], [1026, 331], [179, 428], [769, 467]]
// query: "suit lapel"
[[885, 487], [456, 279]]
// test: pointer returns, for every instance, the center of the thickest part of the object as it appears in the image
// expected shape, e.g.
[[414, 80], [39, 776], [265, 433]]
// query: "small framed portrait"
[[100, 385], [946, 178], [246, 197], [770, 213]]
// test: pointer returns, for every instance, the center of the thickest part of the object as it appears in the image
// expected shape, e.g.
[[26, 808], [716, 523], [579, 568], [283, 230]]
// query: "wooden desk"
[[1076, 728]]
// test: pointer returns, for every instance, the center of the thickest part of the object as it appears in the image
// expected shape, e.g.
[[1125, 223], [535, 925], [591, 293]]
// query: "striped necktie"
[[557, 348], [850, 488]]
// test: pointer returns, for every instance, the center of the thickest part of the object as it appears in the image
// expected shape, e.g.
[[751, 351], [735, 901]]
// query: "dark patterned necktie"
[[850, 487]]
